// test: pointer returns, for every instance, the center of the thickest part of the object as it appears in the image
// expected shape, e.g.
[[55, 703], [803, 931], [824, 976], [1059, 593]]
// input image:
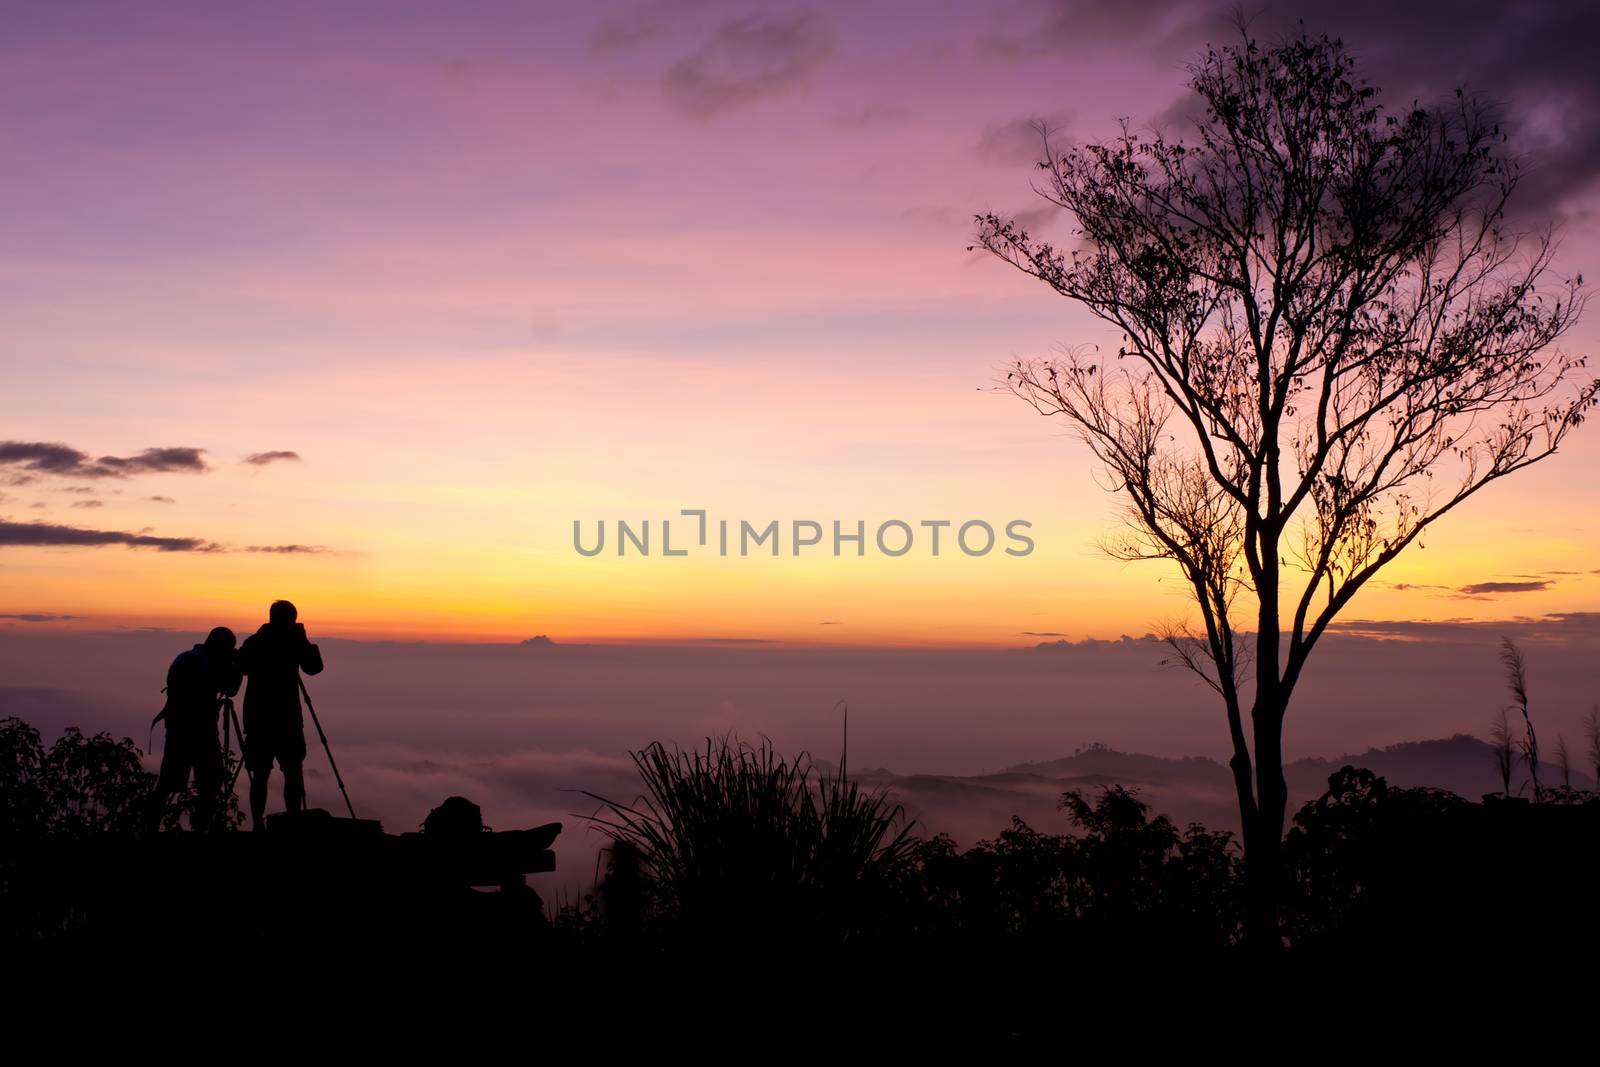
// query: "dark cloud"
[[1020, 140], [640, 25], [748, 59], [53, 458], [88, 503], [41, 456], [261, 459], [1049, 27], [31, 617], [1042, 633], [53, 535], [151, 461], [1483, 588], [161, 499], [1565, 626], [1536, 61], [287, 550]]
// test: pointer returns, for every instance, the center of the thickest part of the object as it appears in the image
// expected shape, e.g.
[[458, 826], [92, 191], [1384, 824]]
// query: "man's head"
[[220, 640], [282, 612]]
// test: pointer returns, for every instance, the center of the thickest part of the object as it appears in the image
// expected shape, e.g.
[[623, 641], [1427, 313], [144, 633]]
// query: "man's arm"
[[310, 655], [231, 677]]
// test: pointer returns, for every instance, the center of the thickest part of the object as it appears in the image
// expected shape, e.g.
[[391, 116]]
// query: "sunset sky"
[[423, 287]]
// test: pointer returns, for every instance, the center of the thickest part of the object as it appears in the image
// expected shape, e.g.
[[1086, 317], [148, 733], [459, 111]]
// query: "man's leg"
[[258, 796], [174, 775], [294, 787], [208, 775]]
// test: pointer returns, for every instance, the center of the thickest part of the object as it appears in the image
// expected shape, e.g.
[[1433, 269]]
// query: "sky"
[[366, 304]]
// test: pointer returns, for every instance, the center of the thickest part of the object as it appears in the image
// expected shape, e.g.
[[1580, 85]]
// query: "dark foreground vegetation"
[[731, 848]]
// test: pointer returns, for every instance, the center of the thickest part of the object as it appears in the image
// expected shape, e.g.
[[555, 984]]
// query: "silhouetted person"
[[273, 658], [197, 683]]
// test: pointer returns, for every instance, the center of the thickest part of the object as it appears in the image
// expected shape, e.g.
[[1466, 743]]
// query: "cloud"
[[53, 535], [1563, 626], [643, 24], [1535, 59], [161, 499], [32, 617], [88, 503], [53, 458], [152, 461], [1482, 588], [288, 550], [746, 60], [1046, 27], [261, 459], [1020, 140], [1042, 633], [873, 115]]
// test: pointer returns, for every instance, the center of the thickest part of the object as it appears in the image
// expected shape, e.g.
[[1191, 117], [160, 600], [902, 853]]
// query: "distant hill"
[[1192, 789]]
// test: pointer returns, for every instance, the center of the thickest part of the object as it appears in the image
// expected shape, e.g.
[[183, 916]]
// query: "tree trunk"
[[1264, 874]]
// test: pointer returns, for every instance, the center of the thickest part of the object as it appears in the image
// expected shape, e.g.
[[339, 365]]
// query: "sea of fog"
[[526, 731]]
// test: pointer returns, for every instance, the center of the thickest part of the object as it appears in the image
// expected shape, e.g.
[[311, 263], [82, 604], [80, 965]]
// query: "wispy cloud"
[[49, 534], [1479, 590], [749, 59], [261, 459], [1020, 140], [1490, 589], [53, 458], [27, 616], [289, 550]]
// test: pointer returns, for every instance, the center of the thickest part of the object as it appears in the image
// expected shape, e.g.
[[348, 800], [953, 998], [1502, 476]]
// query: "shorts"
[[284, 743], [186, 751]]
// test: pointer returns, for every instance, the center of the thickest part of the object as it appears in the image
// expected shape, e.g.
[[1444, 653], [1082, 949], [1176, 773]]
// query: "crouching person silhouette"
[[274, 731], [197, 683]]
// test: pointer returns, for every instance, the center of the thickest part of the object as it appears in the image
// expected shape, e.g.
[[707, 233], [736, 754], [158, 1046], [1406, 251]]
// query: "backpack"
[[186, 685]]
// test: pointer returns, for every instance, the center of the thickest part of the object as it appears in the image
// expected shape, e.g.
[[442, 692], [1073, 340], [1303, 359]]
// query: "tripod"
[[325, 746], [230, 715]]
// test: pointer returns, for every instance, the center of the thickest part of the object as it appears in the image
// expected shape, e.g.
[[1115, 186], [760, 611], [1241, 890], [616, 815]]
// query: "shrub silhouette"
[[84, 785], [1123, 882], [1371, 863], [734, 836]]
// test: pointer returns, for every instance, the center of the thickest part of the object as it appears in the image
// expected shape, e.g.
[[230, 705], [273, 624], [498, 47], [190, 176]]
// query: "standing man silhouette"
[[272, 658]]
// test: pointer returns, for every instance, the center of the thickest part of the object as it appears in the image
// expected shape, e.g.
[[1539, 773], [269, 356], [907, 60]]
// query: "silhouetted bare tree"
[[1329, 340]]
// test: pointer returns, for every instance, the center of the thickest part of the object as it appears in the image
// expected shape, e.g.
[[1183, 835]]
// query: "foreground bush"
[[735, 837]]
